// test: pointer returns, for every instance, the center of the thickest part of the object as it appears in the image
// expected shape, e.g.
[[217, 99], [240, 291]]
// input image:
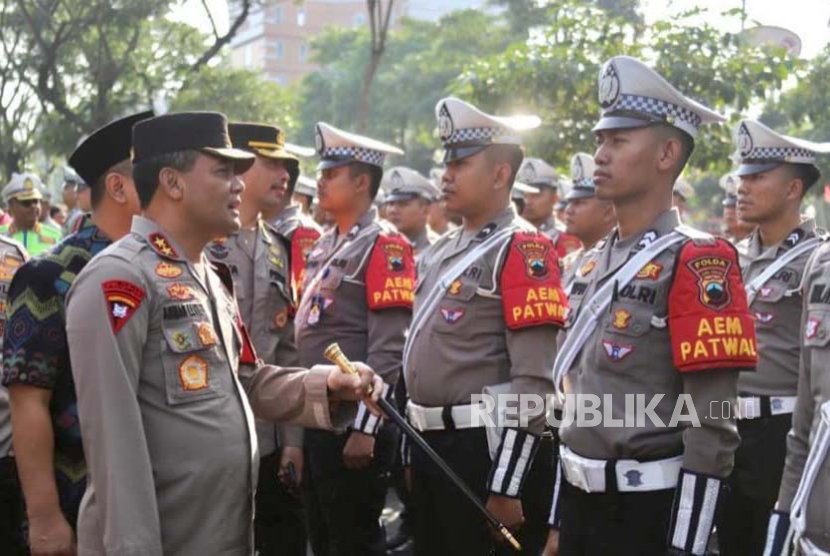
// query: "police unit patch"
[[713, 286], [193, 373], [281, 319], [455, 287], [651, 271], [123, 300], [535, 255], [587, 268], [168, 270], [811, 329], [616, 352], [452, 316], [395, 257], [207, 336], [179, 291], [621, 319], [764, 318]]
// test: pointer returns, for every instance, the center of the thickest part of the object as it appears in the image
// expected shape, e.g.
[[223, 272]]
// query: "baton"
[[334, 354]]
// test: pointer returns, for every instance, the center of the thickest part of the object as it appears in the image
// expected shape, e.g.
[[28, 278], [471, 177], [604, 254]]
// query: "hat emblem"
[[319, 144], [445, 125], [577, 171], [529, 172], [397, 180], [28, 184], [609, 86], [744, 141]]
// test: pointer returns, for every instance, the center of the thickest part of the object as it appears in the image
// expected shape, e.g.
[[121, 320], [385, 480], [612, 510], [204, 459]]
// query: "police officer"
[[409, 196], [23, 195], [305, 193], [440, 221], [37, 371], [259, 262], [682, 192], [775, 173], [587, 218], [12, 530], [801, 519], [155, 344], [481, 333], [357, 291], [649, 320], [540, 203], [69, 194]]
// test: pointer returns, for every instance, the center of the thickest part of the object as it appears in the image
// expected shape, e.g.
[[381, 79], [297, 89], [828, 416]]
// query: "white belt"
[[432, 418], [750, 407], [632, 476]]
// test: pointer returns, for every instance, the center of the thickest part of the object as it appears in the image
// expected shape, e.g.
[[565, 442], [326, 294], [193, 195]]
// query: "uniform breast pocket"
[[772, 292], [816, 336], [624, 344], [457, 307], [192, 362]]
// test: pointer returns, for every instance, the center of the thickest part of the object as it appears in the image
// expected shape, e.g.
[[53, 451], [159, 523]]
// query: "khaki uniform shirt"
[[555, 230], [813, 390], [422, 240], [12, 255], [337, 294], [466, 344], [258, 261], [777, 312], [167, 427], [631, 353]]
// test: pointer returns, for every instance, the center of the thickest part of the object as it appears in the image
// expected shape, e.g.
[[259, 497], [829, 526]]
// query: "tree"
[[90, 61]]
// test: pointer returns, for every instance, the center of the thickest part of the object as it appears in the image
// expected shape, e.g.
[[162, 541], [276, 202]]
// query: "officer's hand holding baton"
[[363, 385]]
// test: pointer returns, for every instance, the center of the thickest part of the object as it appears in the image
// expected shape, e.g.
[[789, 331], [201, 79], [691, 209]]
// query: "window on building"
[[303, 52], [358, 20], [301, 17], [275, 15], [275, 50]]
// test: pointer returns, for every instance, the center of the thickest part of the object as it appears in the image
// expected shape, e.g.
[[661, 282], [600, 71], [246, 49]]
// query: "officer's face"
[[539, 206], [626, 160], [762, 197], [266, 184], [337, 189], [409, 216], [85, 199], [587, 218], [467, 184], [70, 195], [25, 213], [212, 196]]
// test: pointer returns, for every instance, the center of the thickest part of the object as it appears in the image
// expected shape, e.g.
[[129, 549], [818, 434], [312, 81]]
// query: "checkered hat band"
[[359, 154], [656, 107], [585, 183], [473, 134], [779, 153]]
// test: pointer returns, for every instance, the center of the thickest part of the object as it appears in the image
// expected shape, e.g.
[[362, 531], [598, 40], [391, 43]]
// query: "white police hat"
[[684, 189], [520, 189], [338, 148], [633, 95], [761, 149], [537, 173], [306, 186], [402, 184], [582, 174], [465, 130], [23, 187]]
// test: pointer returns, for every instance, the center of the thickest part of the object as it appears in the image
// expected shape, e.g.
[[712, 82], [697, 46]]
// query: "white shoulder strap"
[[754, 285], [426, 307], [594, 307], [816, 462]]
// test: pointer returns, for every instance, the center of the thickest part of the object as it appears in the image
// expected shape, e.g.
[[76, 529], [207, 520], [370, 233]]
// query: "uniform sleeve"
[[108, 316], [390, 286], [713, 338], [34, 345], [286, 354], [534, 307]]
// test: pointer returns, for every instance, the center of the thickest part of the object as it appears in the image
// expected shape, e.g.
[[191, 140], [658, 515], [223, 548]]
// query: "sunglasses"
[[28, 203]]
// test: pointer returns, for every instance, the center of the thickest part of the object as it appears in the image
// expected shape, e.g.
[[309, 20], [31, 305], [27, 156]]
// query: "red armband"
[[567, 244], [531, 288], [390, 275], [302, 242], [709, 321]]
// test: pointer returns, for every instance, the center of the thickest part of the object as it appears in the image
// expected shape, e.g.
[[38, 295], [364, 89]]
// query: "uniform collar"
[[664, 224], [157, 238], [755, 250]]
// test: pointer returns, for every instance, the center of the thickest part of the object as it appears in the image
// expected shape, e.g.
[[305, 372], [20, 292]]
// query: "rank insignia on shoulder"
[[123, 300], [193, 373], [161, 245]]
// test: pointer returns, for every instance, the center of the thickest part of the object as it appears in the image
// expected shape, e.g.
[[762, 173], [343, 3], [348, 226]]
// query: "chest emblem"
[[616, 352]]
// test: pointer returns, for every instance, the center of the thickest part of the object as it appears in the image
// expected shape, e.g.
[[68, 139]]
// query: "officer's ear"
[[115, 184], [170, 180]]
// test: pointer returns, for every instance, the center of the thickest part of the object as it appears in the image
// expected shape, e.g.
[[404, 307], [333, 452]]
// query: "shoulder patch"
[[709, 321], [567, 244], [390, 274], [302, 243], [531, 286], [123, 300]]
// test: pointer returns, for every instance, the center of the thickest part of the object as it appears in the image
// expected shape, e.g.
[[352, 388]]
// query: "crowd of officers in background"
[[193, 277]]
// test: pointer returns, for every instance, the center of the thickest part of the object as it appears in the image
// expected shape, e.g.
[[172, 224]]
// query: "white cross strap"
[[755, 285]]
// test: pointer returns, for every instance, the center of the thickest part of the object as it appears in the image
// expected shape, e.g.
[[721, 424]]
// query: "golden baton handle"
[[334, 354]]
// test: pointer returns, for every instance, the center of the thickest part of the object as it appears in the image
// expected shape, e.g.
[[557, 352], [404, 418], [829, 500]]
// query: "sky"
[[807, 18]]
